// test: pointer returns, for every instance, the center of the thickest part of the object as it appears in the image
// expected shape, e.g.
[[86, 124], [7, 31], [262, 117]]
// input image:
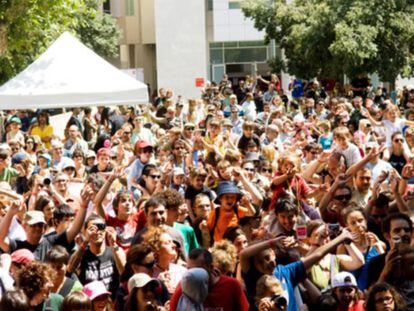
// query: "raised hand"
[[110, 236], [86, 195]]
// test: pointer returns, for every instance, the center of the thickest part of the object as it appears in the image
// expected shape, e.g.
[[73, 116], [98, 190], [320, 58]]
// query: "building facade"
[[180, 44]]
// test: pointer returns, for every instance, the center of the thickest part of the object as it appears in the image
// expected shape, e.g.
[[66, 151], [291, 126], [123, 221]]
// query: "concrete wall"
[[181, 45]]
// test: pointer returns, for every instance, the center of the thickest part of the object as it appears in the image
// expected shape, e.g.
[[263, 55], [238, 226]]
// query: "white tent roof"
[[68, 74]]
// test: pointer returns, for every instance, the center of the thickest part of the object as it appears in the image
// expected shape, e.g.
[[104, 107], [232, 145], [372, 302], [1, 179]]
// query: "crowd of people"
[[247, 198]]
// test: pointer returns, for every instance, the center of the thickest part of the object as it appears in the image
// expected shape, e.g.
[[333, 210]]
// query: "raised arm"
[[5, 226], [86, 196]]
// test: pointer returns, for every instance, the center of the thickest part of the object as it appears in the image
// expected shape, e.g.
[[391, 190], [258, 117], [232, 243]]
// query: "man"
[[143, 151], [376, 165], [99, 258], [74, 141], [57, 154], [397, 229], [225, 293], [173, 200], [8, 173], [34, 225], [362, 191]]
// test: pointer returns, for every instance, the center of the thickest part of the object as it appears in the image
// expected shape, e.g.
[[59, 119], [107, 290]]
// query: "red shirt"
[[298, 186], [226, 294], [125, 229]]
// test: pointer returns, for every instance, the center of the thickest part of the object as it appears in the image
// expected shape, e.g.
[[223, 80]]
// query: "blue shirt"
[[290, 276]]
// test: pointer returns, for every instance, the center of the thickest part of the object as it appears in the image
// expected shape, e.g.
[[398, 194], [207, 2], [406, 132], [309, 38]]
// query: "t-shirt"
[[290, 276], [226, 219], [391, 128], [94, 169], [176, 273], [99, 268], [46, 243], [47, 131], [351, 153], [191, 192], [225, 295], [8, 174], [125, 229], [190, 240]]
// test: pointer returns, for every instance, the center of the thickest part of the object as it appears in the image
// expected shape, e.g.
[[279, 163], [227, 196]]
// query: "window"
[[210, 5], [129, 8], [107, 6], [234, 4]]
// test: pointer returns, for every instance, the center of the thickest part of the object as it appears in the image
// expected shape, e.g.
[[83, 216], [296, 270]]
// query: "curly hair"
[[383, 287], [172, 198], [224, 256], [34, 277], [152, 237]]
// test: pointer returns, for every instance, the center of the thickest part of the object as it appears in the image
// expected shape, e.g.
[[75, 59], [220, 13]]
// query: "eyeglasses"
[[267, 170], [179, 148], [345, 197], [398, 140], [249, 169], [189, 129], [155, 176], [147, 150], [100, 226]]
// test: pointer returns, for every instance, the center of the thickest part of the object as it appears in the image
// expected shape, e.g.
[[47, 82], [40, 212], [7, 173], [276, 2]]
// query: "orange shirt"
[[226, 219]]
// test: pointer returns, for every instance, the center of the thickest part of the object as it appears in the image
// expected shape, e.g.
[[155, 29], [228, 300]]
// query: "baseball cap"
[[343, 279], [189, 124], [141, 144], [104, 152], [18, 158], [90, 154], [15, 119], [139, 280], [57, 144], [95, 289], [34, 217], [45, 156], [68, 163], [178, 171], [226, 122], [22, 255]]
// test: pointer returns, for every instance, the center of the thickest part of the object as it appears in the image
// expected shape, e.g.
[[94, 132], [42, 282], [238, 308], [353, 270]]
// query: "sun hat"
[[227, 187], [95, 289]]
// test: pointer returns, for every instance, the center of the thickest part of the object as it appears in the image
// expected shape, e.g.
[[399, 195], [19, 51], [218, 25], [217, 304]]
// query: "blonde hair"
[[152, 237], [267, 283], [289, 157], [341, 132], [224, 256], [269, 153]]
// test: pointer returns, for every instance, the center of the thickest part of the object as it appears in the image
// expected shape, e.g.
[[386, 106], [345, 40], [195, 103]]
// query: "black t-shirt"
[[43, 247], [397, 162], [250, 279], [100, 268], [244, 142]]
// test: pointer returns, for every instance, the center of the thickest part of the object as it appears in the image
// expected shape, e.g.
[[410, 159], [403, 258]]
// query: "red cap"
[[141, 144], [22, 255], [104, 152]]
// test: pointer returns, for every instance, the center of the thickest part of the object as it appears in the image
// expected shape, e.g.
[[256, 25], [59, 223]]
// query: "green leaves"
[[336, 37], [28, 27]]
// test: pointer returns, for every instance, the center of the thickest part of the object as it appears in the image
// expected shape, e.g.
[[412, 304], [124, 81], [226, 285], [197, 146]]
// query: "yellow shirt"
[[43, 133]]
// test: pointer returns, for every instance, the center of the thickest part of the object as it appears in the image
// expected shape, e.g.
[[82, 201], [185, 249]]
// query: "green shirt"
[[190, 240], [8, 174]]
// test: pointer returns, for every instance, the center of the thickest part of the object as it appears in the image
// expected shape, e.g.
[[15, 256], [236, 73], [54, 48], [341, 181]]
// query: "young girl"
[[326, 138]]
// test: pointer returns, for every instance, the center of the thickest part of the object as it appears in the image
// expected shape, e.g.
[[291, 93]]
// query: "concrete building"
[[180, 44]]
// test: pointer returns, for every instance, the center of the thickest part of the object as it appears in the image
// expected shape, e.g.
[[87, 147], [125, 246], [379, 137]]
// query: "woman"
[[105, 124], [43, 129], [58, 258], [44, 165], [397, 154], [15, 300], [165, 256], [224, 257], [76, 301], [322, 272], [384, 297], [367, 242], [143, 293], [36, 281], [46, 205], [98, 294], [150, 181], [80, 168], [31, 148]]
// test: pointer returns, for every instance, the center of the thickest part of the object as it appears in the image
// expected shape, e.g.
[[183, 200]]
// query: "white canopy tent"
[[68, 74]]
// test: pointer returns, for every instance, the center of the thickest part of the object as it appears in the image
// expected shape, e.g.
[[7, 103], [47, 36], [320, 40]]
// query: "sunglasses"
[[147, 150], [155, 176], [267, 170], [149, 265], [249, 169], [100, 226], [189, 128], [345, 197], [398, 140]]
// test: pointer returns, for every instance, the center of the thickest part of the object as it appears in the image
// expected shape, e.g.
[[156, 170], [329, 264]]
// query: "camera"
[[278, 301], [47, 181]]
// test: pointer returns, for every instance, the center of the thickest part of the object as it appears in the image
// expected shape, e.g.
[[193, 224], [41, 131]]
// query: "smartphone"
[[334, 230]]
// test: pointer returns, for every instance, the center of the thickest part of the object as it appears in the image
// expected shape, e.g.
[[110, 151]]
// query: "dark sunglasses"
[[345, 197], [398, 140], [147, 150], [267, 170], [149, 265], [100, 226], [249, 169], [155, 176]]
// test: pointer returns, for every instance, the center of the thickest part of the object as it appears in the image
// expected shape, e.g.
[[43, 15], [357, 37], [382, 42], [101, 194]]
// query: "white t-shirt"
[[351, 154], [391, 128]]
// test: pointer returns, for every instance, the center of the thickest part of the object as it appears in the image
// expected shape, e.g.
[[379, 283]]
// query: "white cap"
[[343, 279], [139, 280]]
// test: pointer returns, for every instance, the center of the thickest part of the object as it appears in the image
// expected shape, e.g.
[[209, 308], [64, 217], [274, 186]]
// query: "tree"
[[28, 27], [336, 37]]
